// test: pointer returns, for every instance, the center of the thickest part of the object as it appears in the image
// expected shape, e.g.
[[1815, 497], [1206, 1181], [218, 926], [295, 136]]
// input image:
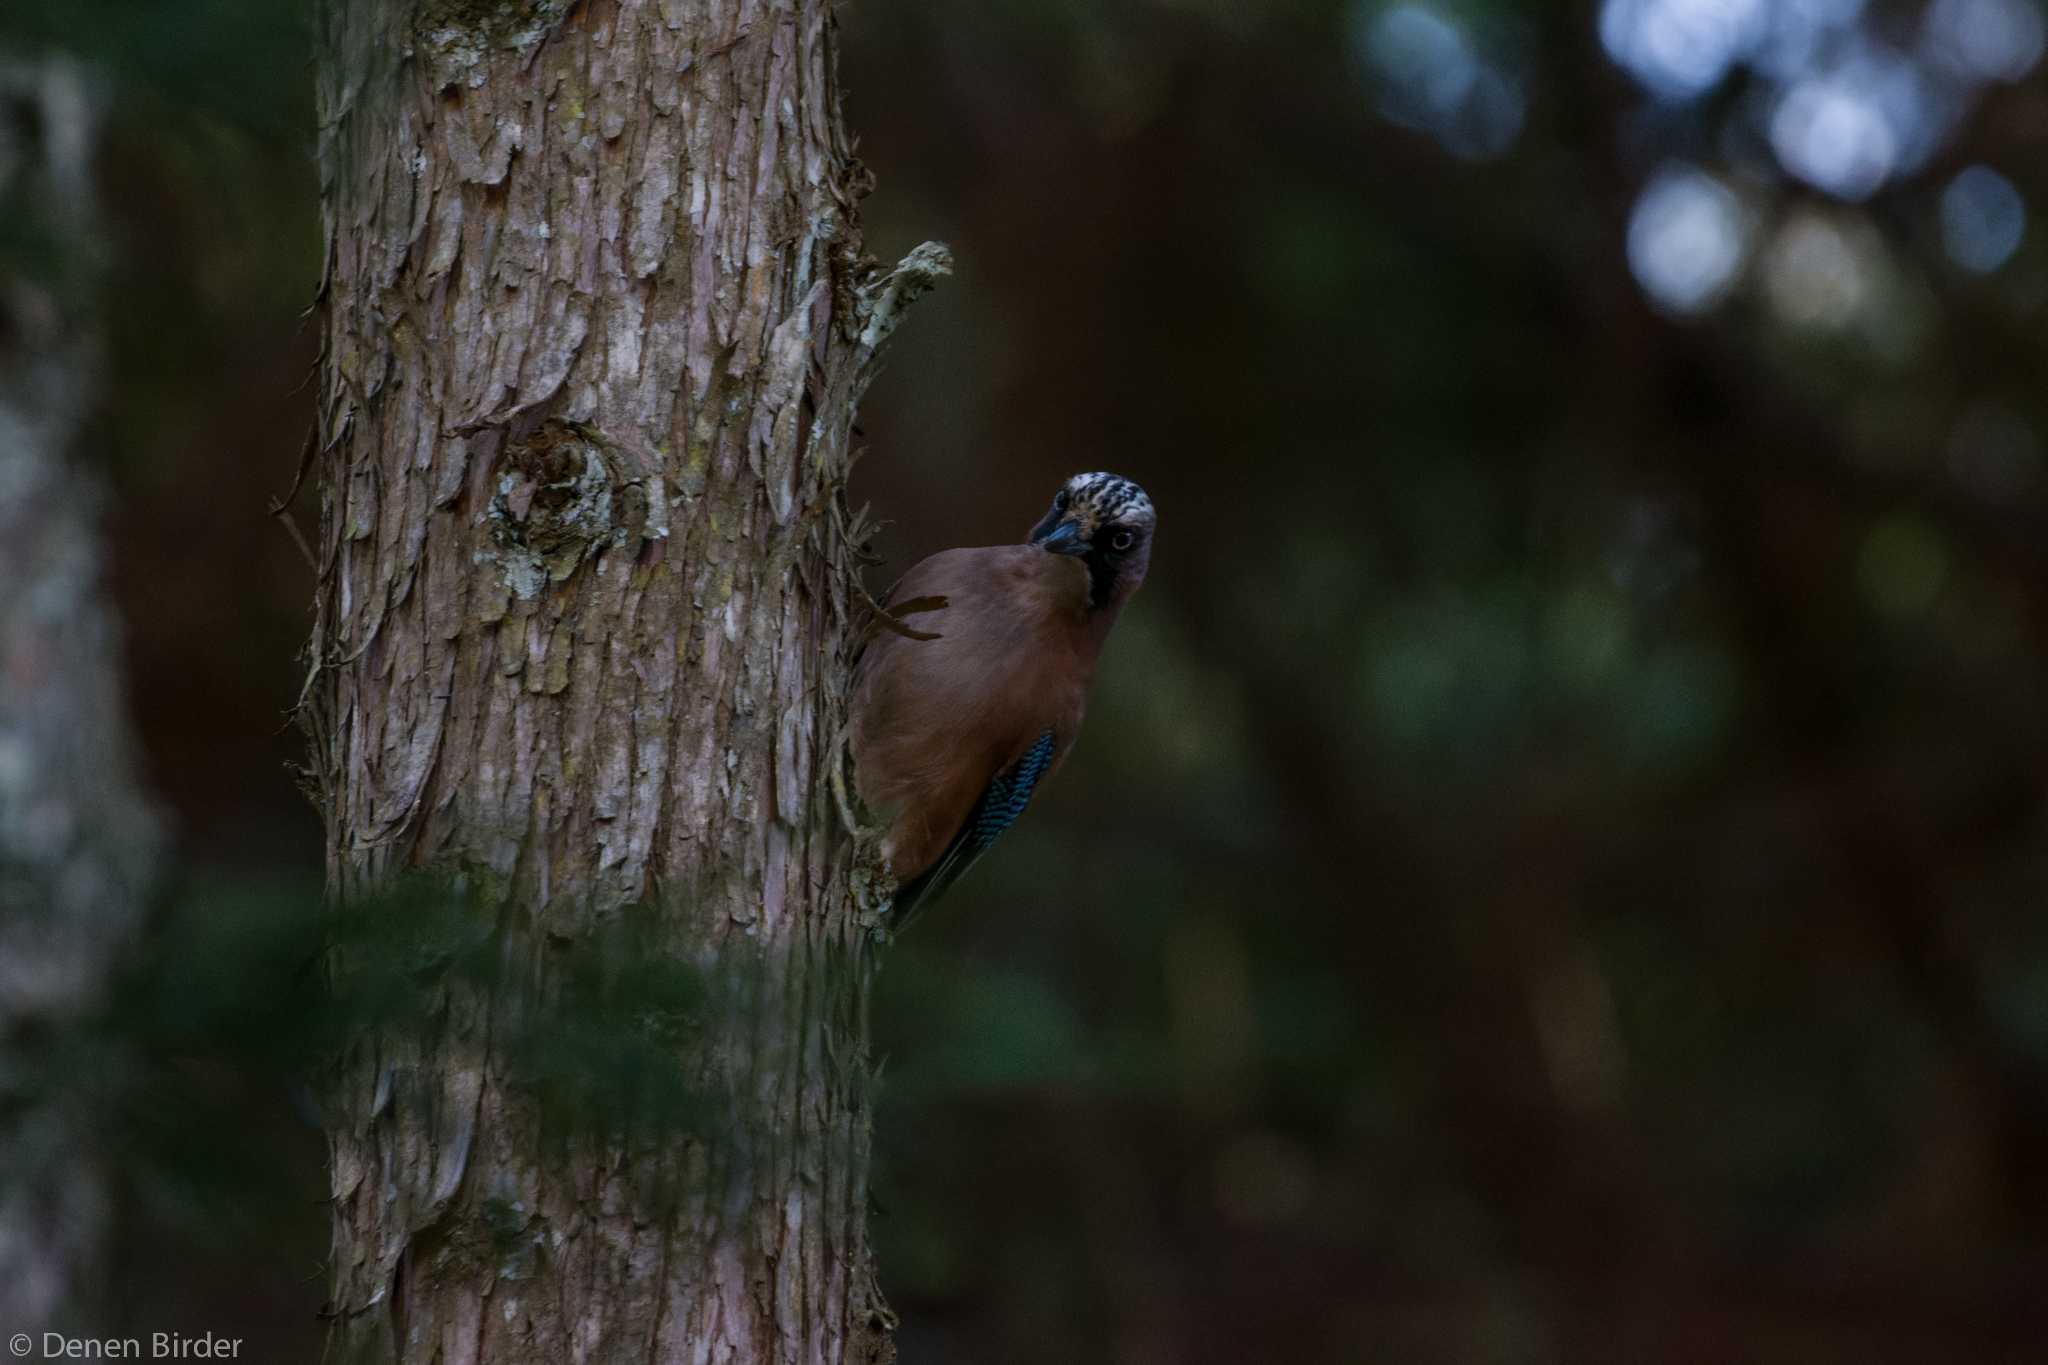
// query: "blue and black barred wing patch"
[[1009, 792]]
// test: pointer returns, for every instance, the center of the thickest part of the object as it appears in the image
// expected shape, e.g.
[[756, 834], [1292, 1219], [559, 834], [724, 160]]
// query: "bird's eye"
[[1060, 500], [1122, 540]]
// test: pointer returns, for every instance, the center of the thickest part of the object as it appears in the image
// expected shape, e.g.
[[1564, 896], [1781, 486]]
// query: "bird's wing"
[[1008, 793]]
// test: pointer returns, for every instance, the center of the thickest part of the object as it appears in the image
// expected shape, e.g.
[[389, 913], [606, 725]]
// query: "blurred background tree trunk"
[[597, 317], [77, 840]]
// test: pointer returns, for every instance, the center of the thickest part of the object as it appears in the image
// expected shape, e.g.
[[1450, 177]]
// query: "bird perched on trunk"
[[953, 732]]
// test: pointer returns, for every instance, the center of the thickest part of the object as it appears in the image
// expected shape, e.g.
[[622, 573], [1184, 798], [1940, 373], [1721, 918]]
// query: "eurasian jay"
[[957, 721]]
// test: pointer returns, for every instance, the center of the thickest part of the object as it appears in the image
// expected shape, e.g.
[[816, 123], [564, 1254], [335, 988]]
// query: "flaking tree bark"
[[596, 319]]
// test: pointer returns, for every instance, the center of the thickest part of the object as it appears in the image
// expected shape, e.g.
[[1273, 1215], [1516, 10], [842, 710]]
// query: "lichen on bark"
[[455, 36], [564, 494]]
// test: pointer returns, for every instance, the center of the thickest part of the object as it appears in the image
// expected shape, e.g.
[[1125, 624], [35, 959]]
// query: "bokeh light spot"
[[1815, 276], [1832, 133], [1424, 60], [1433, 80], [1679, 47], [1998, 40], [1798, 31], [1686, 239], [1982, 219]]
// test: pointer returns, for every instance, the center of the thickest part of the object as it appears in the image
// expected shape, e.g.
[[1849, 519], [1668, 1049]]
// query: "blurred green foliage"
[[245, 993]]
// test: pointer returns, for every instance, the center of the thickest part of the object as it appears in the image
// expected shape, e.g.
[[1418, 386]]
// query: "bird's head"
[[1106, 522]]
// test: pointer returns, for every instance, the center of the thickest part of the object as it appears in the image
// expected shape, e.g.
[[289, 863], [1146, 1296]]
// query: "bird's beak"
[[1065, 539]]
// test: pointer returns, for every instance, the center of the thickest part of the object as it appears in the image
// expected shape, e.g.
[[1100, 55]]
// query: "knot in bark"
[[564, 494], [456, 37]]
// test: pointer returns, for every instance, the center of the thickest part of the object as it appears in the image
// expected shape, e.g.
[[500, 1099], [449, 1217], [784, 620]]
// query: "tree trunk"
[[78, 842], [597, 317]]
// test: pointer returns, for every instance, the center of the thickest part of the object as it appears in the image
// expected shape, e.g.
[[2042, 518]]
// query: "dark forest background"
[[1554, 871]]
